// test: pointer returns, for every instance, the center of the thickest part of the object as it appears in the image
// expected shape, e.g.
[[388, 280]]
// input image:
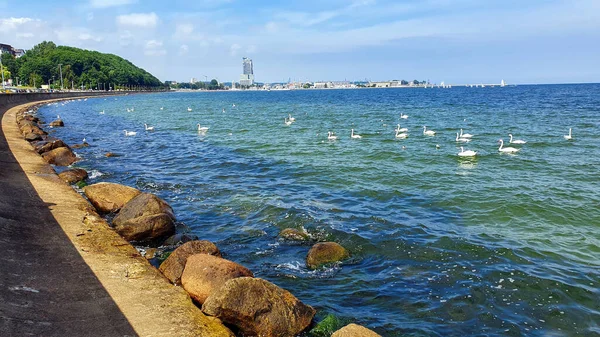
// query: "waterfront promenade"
[[63, 271]]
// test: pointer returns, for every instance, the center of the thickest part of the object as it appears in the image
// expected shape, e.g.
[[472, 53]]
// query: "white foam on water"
[[93, 174]]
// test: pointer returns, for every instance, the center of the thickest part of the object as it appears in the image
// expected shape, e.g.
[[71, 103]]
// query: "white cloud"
[[184, 29], [153, 44], [110, 3], [183, 49], [234, 49], [89, 37], [251, 49], [14, 23], [144, 20], [154, 48], [24, 35], [125, 38]]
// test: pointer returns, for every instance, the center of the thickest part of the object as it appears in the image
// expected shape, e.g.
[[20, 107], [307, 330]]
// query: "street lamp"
[[61, 79], [2, 72]]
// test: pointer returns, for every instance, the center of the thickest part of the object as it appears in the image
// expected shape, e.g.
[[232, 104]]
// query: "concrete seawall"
[[10, 100], [63, 270]]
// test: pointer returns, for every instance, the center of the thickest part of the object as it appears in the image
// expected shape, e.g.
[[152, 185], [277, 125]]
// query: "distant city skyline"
[[462, 41]]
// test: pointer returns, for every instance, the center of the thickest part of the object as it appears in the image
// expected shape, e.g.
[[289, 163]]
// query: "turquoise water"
[[441, 246]]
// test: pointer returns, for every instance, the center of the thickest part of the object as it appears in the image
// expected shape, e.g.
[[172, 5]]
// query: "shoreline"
[[149, 303]]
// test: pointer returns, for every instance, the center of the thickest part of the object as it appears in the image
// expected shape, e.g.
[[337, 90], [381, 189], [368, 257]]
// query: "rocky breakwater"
[[252, 306], [223, 289], [53, 150]]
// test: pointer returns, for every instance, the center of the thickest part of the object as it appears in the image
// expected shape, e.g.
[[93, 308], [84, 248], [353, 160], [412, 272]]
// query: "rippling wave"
[[495, 245]]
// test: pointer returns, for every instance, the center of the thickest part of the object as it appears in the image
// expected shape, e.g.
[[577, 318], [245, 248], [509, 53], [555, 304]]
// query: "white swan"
[[399, 129], [428, 132], [355, 136], [516, 141], [468, 153], [161, 108], [148, 128], [464, 140], [331, 136], [102, 112], [287, 121], [291, 118], [401, 135], [129, 133], [128, 110], [189, 109], [569, 136], [403, 116], [507, 149], [465, 135], [202, 128]]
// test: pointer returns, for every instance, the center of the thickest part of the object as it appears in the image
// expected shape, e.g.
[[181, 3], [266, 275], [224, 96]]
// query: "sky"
[[455, 41]]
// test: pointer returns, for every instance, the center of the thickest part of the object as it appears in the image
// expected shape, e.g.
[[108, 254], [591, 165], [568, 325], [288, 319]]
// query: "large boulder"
[[30, 127], [173, 266], [354, 330], [324, 253], [145, 217], [57, 122], [32, 137], [73, 175], [204, 274], [109, 197], [146, 227], [293, 234], [48, 145], [61, 156], [259, 308]]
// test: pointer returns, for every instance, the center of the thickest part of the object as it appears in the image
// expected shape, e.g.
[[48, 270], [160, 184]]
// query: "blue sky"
[[456, 41]]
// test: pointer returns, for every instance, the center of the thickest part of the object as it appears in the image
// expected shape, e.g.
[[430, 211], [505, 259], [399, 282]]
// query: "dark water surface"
[[500, 245]]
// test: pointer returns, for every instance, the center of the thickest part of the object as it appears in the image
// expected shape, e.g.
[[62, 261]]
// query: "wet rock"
[[145, 217], [179, 238], [32, 137], [32, 128], [82, 145], [49, 144], [146, 228], [259, 308], [150, 253], [109, 197], [61, 156], [204, 274], [354, 330], [293, 234], [57, 122], [324, 253], [174, 265], [73, 175]]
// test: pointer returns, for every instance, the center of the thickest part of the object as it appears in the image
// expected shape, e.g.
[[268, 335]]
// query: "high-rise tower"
[[247, 77]]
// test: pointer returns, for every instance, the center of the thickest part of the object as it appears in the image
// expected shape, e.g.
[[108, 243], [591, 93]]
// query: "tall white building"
[[247, 77]]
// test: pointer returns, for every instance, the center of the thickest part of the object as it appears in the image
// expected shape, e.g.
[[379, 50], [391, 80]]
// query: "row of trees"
[[79, 68], [212, 85]]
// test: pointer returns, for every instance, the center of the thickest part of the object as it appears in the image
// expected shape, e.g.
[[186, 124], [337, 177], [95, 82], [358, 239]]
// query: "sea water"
[[495, 245]]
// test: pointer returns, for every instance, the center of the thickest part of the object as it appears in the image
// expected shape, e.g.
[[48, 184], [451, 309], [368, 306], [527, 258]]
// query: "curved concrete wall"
[[8, 101]]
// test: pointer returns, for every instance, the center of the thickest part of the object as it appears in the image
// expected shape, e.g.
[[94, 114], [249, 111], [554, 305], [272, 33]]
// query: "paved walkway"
[[63, 272]]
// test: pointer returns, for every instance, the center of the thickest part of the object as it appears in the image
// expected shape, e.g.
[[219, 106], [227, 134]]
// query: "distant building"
[[193, 80], [247, 77], [19, 52], [6, 48]]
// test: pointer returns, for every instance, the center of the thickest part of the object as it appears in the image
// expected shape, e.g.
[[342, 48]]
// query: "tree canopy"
[[80, 68]]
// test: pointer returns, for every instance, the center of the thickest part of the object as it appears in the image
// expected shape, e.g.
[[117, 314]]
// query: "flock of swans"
[[400, 133]]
